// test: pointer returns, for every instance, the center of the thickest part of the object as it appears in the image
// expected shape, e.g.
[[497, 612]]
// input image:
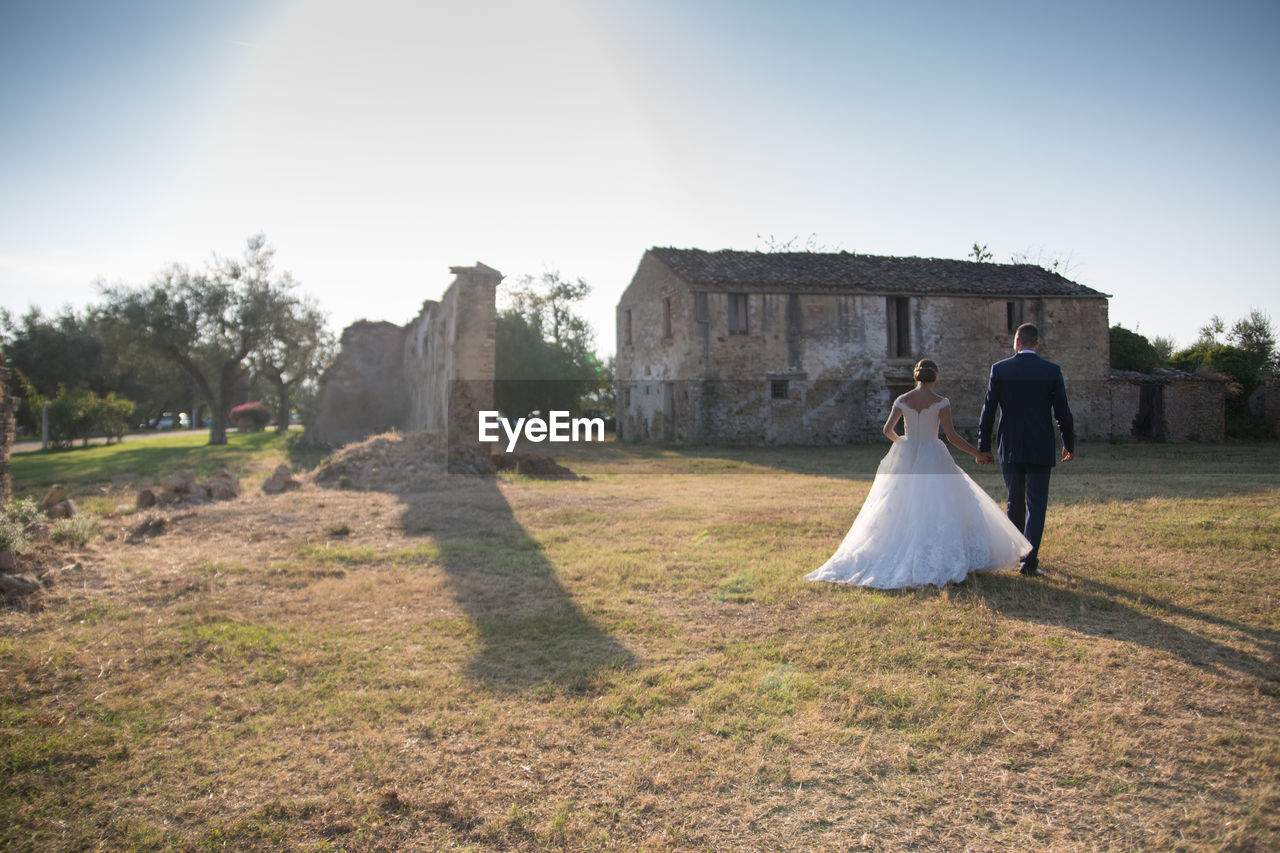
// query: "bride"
[[924, 520]]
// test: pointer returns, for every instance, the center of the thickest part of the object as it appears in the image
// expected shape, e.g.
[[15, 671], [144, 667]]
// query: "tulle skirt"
[[923, 522]]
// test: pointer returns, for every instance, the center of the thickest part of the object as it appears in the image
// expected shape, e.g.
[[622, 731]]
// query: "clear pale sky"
[[378, 143]]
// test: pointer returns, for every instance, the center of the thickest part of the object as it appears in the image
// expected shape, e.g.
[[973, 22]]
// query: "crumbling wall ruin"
[[1265, 403], [435, 373], [1167, 405]]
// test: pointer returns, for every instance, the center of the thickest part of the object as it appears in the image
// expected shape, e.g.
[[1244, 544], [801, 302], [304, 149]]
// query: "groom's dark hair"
[[1027, 334]]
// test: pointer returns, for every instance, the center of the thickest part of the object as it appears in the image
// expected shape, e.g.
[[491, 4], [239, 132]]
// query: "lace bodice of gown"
[[923, 423]]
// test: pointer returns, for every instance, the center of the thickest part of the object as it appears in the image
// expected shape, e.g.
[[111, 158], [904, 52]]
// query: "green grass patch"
[[150, 457]]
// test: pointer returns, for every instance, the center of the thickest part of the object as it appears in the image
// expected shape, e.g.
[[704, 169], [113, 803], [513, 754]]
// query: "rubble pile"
[[405, 462], [182, 488], [393, 462]]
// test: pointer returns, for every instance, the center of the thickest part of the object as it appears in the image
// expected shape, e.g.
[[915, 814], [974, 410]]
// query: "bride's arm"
[[895, 415], [944, 417]]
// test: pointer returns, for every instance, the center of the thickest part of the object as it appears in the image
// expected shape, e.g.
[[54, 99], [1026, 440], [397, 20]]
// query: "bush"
[[24, 511], [74, 531], [13, 536], [80, 413], [251, 417], [71, 416], [113, 415], [1132, 351], [14, 520]]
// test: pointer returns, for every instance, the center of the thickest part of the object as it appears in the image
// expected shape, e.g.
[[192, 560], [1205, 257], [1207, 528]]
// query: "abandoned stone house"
[[733, 347]]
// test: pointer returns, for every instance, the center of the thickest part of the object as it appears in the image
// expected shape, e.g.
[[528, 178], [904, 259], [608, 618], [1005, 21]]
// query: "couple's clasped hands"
[[988, 459]]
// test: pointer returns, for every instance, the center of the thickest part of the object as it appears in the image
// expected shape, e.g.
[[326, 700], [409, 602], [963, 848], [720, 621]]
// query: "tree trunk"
[[218, 430], [282, 405], [222, 405]]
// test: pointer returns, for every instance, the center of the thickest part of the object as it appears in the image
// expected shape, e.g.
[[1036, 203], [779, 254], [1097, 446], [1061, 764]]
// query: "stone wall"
[[815, 368], [433, 374], [1195, 411], [1167, 405], [362, 392], [1265, 403]]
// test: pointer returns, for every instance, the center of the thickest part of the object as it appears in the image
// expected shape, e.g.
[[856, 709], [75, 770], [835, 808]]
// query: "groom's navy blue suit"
[[1030, 394]]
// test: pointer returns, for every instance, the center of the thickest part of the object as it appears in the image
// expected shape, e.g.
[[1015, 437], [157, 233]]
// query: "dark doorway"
[[668, 411], [1149, 422]]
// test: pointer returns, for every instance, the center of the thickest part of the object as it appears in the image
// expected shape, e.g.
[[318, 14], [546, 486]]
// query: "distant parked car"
[[171, 421]]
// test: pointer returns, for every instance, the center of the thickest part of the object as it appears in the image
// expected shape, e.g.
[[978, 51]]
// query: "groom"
[[1030, 394]]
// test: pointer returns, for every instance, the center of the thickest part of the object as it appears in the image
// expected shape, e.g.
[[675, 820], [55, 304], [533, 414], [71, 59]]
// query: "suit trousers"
[[1028, 487]]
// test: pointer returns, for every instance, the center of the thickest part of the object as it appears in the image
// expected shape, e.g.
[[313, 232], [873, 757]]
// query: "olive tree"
[[207, 322]]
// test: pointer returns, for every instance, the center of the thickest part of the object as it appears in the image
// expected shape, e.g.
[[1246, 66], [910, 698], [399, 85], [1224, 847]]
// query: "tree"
[[140, 373], [1132, 351], [1248, 357], [1254, 335], [51, 353], [82, 351], [208, 323], [1211, 331], [981, 254], [295, 349], [544, 359], [1165, 347]]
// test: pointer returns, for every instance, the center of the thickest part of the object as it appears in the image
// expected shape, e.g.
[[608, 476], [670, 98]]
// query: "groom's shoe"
[[1031, 571]]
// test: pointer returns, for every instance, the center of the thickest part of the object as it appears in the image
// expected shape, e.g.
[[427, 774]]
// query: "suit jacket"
[[1030, 394]]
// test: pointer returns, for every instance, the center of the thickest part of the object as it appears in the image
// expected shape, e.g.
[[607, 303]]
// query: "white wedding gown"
[[924, 520]]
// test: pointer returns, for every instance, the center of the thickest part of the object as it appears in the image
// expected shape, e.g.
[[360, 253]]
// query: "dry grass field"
[[633, 662]]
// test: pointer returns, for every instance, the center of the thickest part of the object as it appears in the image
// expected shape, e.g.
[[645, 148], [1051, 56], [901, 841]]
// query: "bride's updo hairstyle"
[[926, 370]]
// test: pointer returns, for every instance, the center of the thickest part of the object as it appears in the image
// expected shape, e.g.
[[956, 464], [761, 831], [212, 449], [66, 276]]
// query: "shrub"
[[1132, 351], [74, 531], [14, 520], [80, 413], [251, 417], [13, 536], [113, 414], [71, 415], [24, 511]]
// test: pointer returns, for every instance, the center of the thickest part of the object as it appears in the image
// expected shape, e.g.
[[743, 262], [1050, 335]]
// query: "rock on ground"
[[55, 495], [15, 585], [62, 509], [281, 481]]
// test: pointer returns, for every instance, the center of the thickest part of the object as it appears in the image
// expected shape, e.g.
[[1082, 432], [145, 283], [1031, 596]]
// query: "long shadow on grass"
[[530, 628], [1103, 610]]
